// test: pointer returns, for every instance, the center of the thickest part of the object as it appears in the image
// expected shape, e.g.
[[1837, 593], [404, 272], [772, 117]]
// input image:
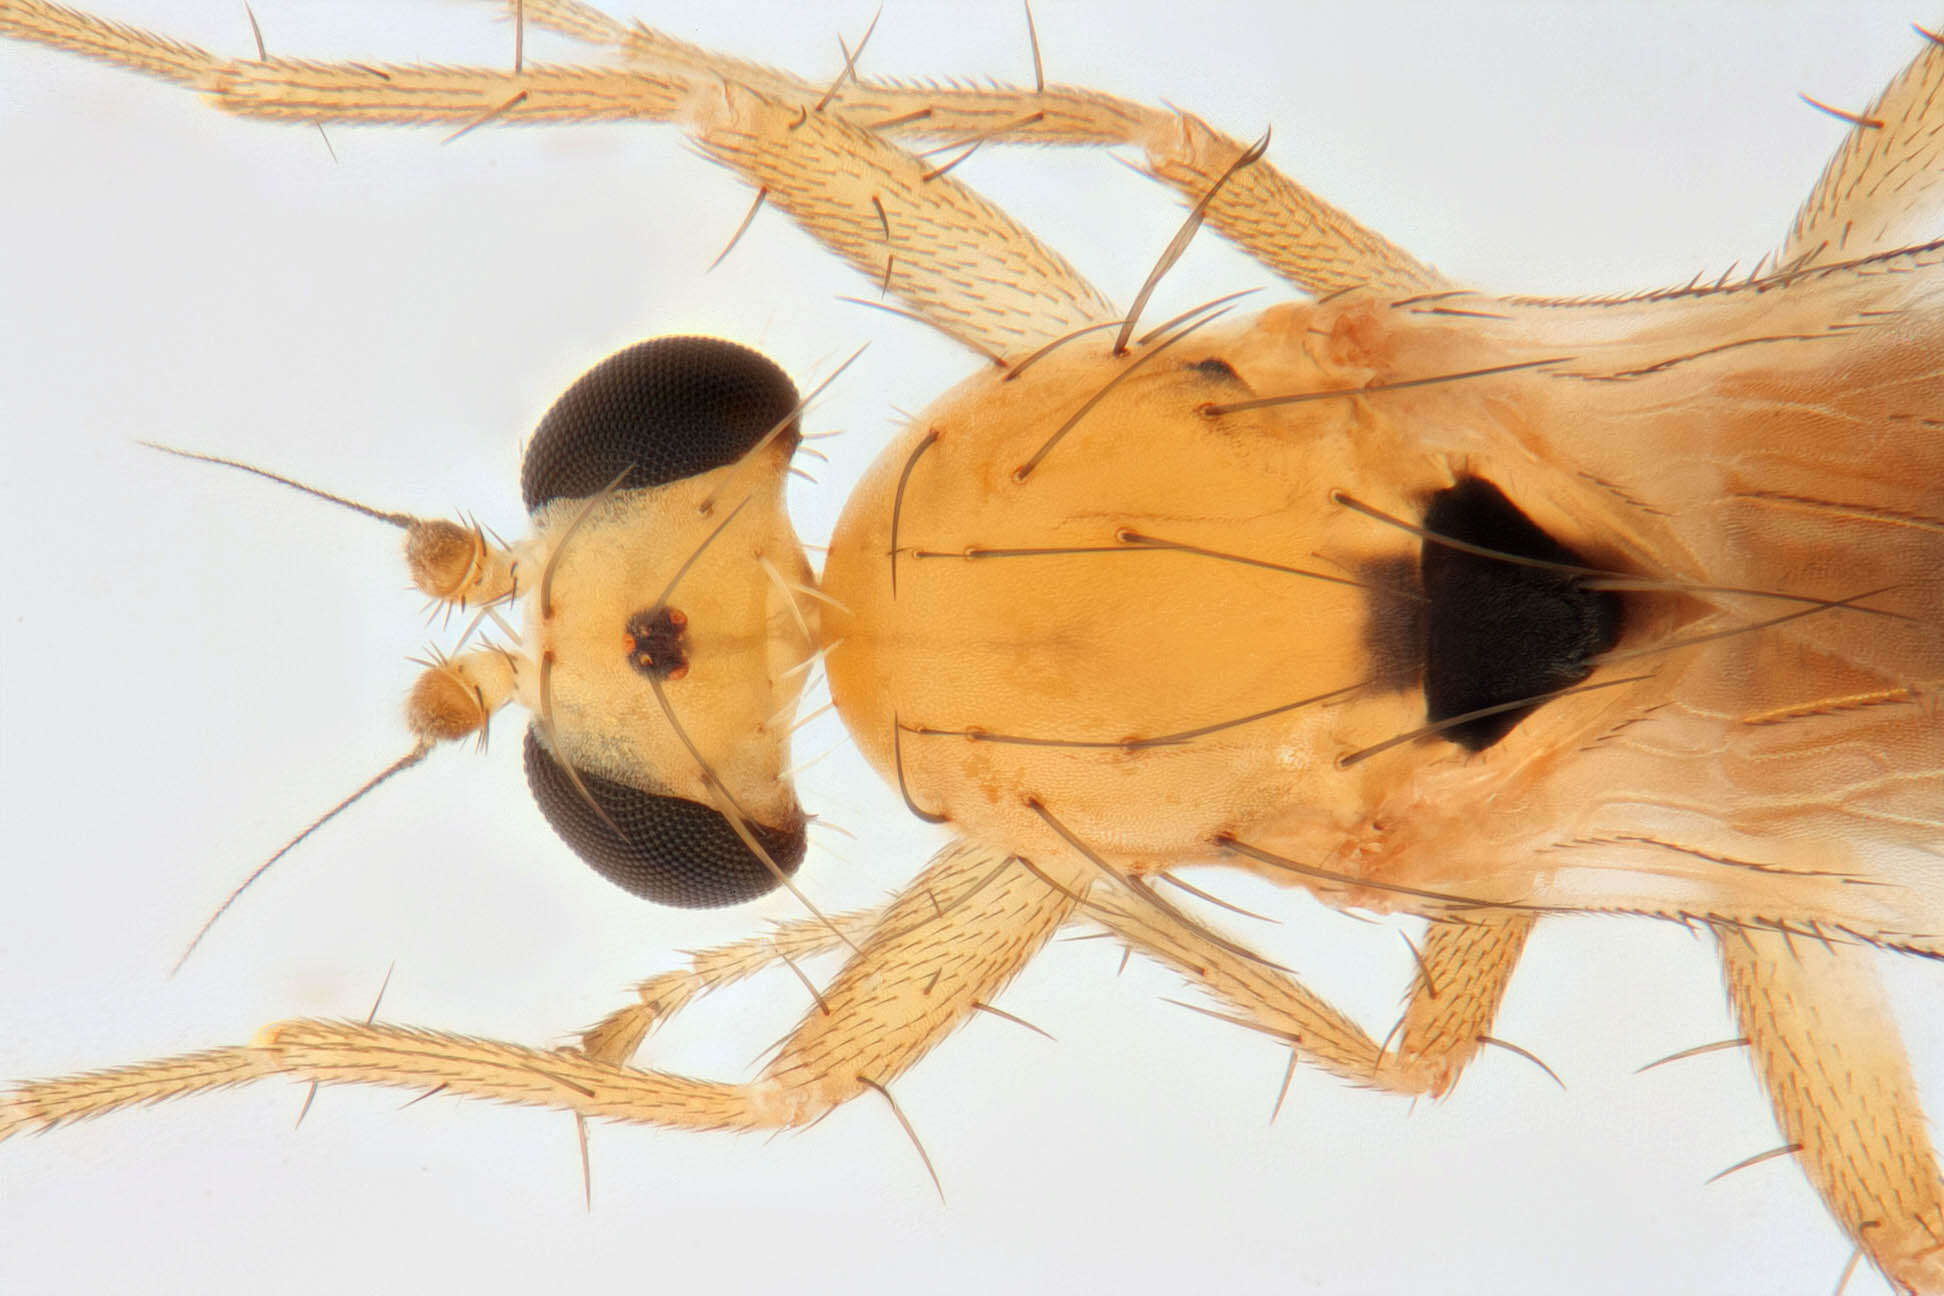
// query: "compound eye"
[[670, 850], [661, 410]]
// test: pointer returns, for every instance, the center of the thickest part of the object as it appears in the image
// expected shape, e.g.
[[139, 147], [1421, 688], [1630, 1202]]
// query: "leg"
[[1312, 244], [949, 943], [1882, 189], [1828, 1052], [616, 1037], [960, 262], [1463, 970], [1461, 981], [1468, 967], [919, 250], [1268, 1000]]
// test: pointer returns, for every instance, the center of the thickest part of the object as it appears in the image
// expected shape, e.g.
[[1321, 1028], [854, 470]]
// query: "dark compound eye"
[[661, 410], [670, 850]]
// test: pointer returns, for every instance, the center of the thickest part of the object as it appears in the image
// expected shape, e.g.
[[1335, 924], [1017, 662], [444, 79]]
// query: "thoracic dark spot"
[[1497, 631], [1393, 637], [1216, 367]]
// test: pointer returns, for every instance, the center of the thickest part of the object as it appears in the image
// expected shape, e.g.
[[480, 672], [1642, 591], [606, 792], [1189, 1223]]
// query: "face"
[[225, 660]]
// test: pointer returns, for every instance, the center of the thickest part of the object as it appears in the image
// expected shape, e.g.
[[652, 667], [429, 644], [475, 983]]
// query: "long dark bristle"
[[403, 763], [1376, 389], [401, 520], [1183, 237]]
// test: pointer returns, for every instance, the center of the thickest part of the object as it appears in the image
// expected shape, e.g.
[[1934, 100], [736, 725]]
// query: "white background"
[[196, 663]]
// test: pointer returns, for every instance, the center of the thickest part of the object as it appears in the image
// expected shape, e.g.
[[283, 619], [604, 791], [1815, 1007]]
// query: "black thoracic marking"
[[1499, 631], [659, 411], [1216, 367], [656, 641], [1393, 638], [669, 849]]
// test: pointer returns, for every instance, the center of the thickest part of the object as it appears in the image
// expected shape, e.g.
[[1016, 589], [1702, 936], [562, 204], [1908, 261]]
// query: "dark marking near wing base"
[[1499, 631], [1393, 635], [1216, 367]]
